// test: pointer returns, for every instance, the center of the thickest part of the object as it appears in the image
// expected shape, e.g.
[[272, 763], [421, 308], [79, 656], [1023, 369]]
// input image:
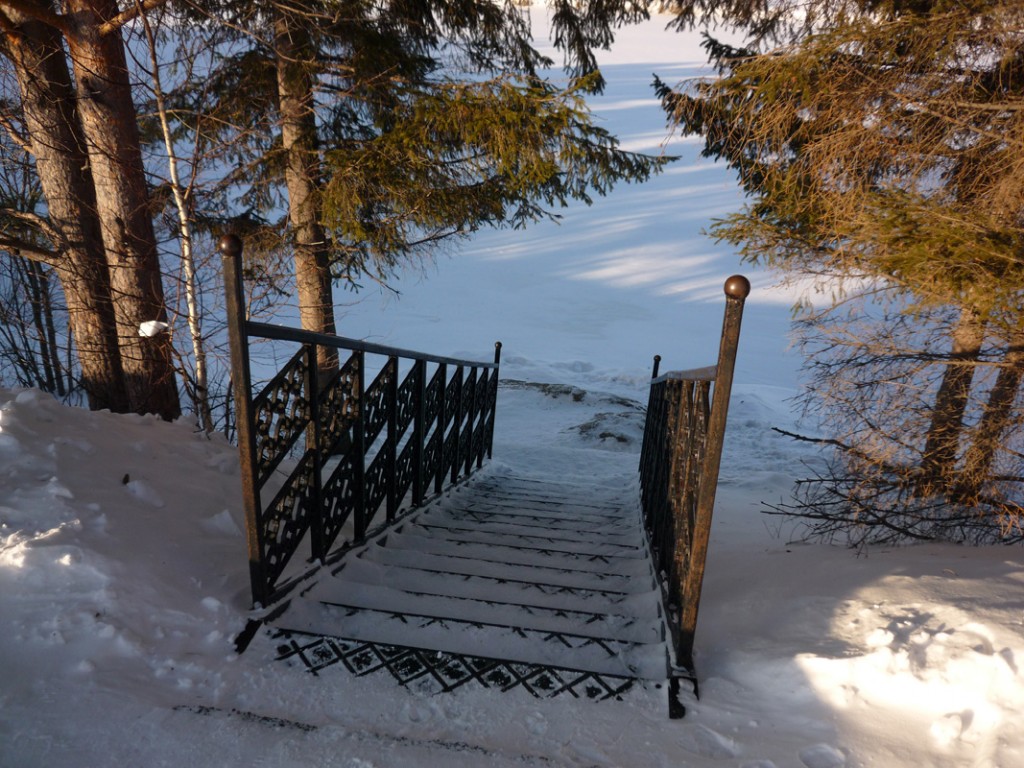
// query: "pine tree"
[[882, 144], [388, 129]]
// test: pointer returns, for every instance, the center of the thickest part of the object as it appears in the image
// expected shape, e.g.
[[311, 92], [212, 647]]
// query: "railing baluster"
[[359, 440], [492, 400], [737, 288], [314, 442], [419, 432], [391, 443], [470, 420], [442, 428], [458, 378]]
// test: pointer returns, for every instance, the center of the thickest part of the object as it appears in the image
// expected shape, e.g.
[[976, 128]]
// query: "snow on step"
[[518, 570], [538, 540], [495, 613], [415, 581], [531, 521], [504, 552]]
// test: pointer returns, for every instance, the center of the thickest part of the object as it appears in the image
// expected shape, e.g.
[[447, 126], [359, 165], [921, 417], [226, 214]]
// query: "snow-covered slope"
[[123, 581]]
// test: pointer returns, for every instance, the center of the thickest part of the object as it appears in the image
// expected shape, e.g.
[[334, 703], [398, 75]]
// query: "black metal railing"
[[318, 454], [679, 464]]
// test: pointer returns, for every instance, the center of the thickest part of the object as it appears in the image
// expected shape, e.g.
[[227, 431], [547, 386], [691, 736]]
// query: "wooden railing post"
[[230, 248], [737, 288]]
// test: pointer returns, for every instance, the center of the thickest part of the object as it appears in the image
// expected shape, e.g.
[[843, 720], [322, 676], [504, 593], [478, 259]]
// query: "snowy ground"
[[123, 575]]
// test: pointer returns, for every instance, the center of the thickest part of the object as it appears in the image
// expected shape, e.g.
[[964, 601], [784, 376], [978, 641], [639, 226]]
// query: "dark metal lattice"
[[287, 518], [435, 672], [679, 465], [357, 449], [339, 408], [280, 415]]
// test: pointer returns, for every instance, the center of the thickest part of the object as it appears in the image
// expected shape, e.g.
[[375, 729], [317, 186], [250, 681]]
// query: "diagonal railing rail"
[[316, 458], [679, 465]]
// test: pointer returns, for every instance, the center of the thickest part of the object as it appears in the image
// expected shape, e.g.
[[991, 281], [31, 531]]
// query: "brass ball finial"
[[737, 286], [230, 245]]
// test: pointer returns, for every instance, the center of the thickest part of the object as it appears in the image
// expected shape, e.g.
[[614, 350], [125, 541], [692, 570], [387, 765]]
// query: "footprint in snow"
[[822, 756], [703, 741], [144, 492], [952, 727]]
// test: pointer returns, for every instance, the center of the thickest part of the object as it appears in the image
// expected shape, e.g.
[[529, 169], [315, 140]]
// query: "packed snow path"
[[508, 580]]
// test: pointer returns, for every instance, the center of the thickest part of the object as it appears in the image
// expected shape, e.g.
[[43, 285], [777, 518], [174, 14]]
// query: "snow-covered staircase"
[[505, 580]]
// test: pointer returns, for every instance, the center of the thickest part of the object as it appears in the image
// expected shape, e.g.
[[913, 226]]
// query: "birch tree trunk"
[[188, 263]]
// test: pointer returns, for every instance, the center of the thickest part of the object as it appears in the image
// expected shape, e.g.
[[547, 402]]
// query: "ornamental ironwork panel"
[[432, 455], [404, 470], [280, 415], [377, 404], [465, 445], [476, 453], [287, 519], [338, 500], [451, 396], [377, 481], [482, 390], [450, 450], [344, 436], [338, 407], [432, 406], [408, 400], [468, 393]]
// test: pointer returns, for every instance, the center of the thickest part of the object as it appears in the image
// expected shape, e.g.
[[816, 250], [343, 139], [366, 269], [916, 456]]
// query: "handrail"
[[679, 467], [355, 452], [302, 336], [707, 373]]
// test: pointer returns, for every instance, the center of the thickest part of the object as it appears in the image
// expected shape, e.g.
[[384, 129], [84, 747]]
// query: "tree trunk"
[[51, 331], [938, 462], [110, 127], [48, 104], [302, 177], [35, 280], [998, 416], [201, 397]]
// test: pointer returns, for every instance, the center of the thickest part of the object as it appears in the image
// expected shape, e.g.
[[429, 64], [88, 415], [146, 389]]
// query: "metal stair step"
[[607, 657], [557, 597], [406, 538], [487, 611]]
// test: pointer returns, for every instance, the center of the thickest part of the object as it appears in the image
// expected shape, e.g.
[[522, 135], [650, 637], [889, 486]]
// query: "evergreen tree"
[[882, 143], [383, 128], [387, 128]]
